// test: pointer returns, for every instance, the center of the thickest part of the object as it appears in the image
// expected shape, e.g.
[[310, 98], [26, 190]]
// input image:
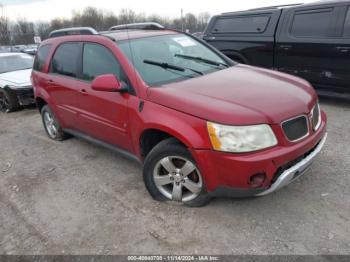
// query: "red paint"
[[240, 95], [106, 83]]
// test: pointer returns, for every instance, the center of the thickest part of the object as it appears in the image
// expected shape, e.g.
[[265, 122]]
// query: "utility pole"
[[182, 20], [2, 10]]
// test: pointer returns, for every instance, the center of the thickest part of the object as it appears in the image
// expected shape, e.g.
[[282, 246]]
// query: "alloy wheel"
[[177, 178], [49, 121]]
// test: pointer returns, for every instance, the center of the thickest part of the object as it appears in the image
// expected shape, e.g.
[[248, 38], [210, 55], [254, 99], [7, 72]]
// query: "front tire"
[[8, 101], [170, 174], [52, 126]]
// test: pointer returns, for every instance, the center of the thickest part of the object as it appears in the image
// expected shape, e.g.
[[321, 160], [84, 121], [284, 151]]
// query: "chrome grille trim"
[[300, 138]]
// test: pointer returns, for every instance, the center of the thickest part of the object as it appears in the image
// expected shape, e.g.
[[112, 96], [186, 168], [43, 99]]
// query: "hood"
[[20, 77], [240, 95]]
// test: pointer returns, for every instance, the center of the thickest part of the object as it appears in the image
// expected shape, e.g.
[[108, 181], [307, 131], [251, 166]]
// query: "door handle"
[[343, 49], [285, 47], [209, 38], [83, 91]]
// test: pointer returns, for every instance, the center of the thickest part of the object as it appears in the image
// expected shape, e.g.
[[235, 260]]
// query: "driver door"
[[103, 115]]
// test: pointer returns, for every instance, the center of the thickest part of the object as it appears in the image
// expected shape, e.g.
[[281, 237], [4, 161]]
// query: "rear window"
[[243, 24], [312, 23], [41, 57], [65, 60], [347, 24]]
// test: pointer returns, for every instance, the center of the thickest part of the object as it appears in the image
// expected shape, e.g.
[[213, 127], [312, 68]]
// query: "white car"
[[15, 86]]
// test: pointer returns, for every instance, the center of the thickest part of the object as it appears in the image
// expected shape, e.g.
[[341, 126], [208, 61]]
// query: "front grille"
[[295, 128], [316, 117]]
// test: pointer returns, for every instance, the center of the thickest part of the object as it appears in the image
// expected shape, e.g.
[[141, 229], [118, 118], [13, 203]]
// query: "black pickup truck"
[[311, 41]]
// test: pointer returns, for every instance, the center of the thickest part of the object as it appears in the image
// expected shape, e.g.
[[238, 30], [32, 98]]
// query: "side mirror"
[[107, 83]]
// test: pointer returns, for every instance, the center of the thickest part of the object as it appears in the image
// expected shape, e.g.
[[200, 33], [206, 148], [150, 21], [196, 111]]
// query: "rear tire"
[[8, 101], [52, 126], [178, 178]]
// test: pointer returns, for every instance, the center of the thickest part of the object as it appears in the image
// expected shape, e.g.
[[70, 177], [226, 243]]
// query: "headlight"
[[316, 117], [240, 139]]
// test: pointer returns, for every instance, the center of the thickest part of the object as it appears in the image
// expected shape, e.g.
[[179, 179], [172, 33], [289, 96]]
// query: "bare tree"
[[89, 17], [22, 32], [5, 36], [43, 29], [4, 31], [110, 20], [127, 16], [203, 20]]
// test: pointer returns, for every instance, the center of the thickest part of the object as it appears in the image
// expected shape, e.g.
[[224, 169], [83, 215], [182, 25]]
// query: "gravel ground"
[[76, 198]]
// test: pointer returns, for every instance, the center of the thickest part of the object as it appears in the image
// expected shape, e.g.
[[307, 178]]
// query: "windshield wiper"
[[201, 59], [172, 67]]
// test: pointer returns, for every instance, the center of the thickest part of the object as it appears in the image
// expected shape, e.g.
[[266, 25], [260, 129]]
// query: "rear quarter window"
[[41, 57], [242, 24], [312, 23]]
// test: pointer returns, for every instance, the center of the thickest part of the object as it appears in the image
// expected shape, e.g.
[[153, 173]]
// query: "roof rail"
[[265, 8], [140, 26], [274, 7], [73, 31]]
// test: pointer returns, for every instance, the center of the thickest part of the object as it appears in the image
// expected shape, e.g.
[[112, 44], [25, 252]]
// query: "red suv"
[[201, 124]]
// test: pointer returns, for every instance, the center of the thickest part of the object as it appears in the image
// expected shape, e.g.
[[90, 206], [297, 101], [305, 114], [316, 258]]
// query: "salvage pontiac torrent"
[[202, 125]]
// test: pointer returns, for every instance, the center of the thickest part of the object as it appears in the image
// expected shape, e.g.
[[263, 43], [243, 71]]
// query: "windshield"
[[15, 62], [163, 54]]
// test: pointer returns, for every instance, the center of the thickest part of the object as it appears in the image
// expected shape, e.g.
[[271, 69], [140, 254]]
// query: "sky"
[[44, 10]]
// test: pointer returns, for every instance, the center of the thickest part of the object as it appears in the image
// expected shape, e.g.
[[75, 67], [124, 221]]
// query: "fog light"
[[257, 180]]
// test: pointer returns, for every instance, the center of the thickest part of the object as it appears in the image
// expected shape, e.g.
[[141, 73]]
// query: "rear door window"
[[41, 57], [243, 24], [312, 23], [347, 24], [65, 59]]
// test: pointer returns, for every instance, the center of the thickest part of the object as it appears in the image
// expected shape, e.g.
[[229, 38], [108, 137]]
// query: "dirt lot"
[[77, 198]]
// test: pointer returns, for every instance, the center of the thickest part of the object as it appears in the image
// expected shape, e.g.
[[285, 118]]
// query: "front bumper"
[[25, 96], [229, 175], [295, 171]]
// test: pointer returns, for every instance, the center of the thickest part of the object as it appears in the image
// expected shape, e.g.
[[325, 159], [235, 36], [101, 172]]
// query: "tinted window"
[[41, 57], [313, 23], [65, 60], [97, 60], [248, 24], [347, 24]]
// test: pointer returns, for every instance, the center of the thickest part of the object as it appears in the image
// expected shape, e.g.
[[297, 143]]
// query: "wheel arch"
[[40, 102], [152, 136]]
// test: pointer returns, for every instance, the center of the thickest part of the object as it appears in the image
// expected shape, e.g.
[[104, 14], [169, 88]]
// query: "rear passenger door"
[[63, 85], [342, 51], [309, 45], [103, 115]]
